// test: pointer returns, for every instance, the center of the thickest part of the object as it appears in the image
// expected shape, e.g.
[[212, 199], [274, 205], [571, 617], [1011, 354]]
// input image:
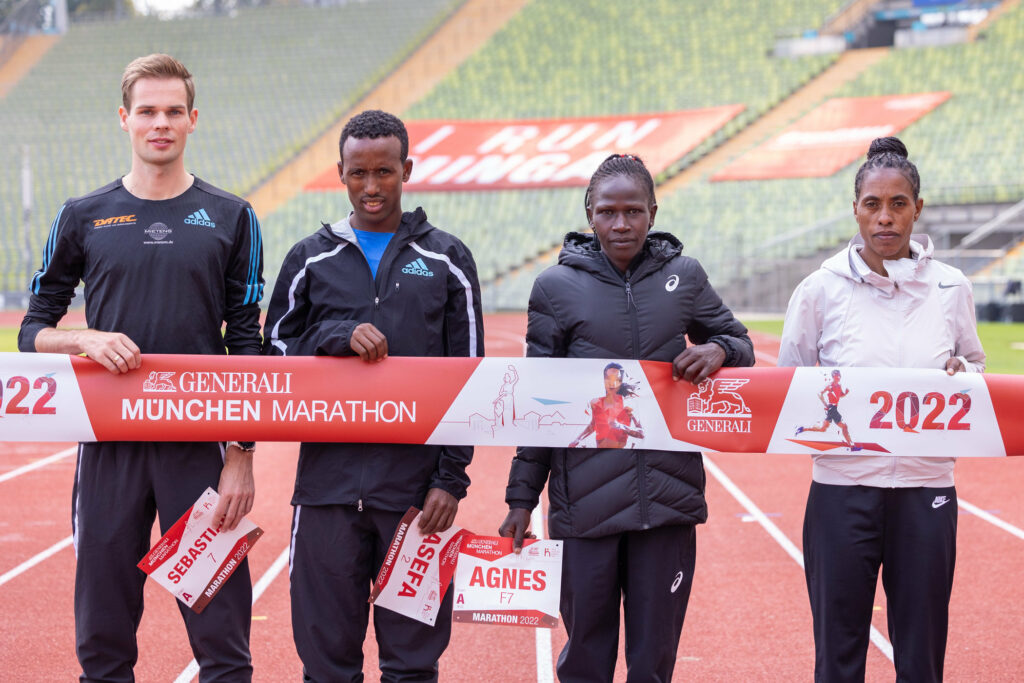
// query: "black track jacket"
[[584, 308], [426, 301]]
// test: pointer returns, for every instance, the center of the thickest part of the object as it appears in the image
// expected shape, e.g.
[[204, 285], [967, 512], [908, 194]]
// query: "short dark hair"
[[622, 164], [888, 153], [374, 123]]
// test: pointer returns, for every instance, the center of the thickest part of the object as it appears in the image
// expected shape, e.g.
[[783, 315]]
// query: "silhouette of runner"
[[834, 391]]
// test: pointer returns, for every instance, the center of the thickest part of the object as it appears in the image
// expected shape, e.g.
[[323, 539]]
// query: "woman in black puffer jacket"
[[626, 516]]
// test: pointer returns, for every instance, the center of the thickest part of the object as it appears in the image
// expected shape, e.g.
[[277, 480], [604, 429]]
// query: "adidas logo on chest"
[[200, 217], [417, 267]]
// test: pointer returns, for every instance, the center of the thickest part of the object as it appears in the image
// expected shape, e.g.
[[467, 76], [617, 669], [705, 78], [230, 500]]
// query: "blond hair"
[[156, 66]]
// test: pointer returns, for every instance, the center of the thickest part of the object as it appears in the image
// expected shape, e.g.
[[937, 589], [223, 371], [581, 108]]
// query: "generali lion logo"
[[718, 407], [718, 398], [159, 382]]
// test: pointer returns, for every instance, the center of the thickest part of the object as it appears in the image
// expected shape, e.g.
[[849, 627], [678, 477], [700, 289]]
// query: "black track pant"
[[336, 553], [119, 489], [650, 573], [849, 531]]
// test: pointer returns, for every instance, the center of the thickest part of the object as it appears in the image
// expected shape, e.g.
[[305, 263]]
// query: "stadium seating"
[[555, 58], [969, 150], [512, 291], [494, 219], [586, 57], [589, 57], [268, 80]]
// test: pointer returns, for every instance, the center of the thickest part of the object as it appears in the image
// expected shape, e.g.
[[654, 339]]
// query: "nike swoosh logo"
[[939, 503], [944, 286]]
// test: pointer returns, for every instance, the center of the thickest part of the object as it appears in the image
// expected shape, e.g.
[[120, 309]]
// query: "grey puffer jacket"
[[585, 308]]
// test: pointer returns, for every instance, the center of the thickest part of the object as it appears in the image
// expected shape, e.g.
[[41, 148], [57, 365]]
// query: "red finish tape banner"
[[542, 153], [830, 137], [512, 401]]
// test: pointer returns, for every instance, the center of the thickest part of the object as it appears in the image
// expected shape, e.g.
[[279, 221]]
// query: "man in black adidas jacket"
[[379, 282]]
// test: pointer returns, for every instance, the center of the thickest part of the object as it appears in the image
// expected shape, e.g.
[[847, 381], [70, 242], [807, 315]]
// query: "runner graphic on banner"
[[611, 421], [829, 397]]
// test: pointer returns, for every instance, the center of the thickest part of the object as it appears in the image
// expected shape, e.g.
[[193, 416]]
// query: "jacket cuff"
[[723, 343], [520, 496], [27, 336], [452, 488], [968, 365]]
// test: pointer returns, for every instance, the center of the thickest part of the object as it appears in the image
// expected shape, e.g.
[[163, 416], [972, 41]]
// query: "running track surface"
[[748, 617]]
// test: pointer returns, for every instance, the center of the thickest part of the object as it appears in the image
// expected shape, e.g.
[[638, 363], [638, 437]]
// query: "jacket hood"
[[850, 265], [414, 224], [583, 251]]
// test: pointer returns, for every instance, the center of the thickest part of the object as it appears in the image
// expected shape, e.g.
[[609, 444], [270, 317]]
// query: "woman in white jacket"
[[882, 302]]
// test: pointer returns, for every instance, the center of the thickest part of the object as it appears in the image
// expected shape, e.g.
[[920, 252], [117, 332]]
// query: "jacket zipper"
[[897, 297], [641, 467], [634, 324], [382, 267], [376, 323]]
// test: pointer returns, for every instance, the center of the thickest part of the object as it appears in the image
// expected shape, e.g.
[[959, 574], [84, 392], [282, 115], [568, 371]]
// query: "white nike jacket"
[[846, 315]]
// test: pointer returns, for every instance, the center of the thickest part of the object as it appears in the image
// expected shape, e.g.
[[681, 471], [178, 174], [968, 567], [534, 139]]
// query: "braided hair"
[[888, 153], [374, 123], [628, 165]]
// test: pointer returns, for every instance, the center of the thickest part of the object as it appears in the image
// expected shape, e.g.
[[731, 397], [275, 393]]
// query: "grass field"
[[8, 338], [1004, 343]]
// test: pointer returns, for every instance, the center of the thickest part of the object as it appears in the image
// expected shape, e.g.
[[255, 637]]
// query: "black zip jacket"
[[426, 301], [584, 308]]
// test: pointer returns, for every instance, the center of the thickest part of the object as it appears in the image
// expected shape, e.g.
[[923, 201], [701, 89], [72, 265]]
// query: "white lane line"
[[877, 638], [192, 670], [766, 357], [542, 635], [264, 583], [31, 562], [38, 463], [991, 519]]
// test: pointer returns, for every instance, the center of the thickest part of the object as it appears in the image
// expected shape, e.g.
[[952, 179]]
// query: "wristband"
[[245, 446]]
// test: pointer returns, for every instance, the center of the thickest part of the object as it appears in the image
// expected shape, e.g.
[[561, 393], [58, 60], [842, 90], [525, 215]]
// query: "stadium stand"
[[986, 163], [269, 79], [554, 58], [578, 58], [586, 57], [969, 150]]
